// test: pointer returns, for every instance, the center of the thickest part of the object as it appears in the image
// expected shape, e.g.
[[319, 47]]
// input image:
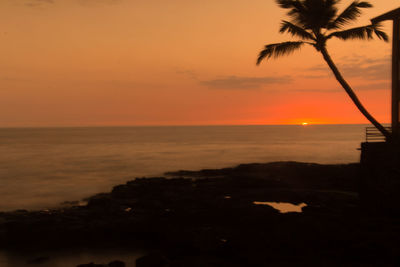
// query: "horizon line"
[[180, 125]]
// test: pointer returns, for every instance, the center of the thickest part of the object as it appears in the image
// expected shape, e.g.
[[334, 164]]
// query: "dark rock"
[[152, 260], [116, 263], [91, 264], [38, 260], [100, 200], [210, 220]]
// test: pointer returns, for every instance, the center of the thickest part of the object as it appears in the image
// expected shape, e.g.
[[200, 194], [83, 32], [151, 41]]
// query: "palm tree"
[[314, 22]]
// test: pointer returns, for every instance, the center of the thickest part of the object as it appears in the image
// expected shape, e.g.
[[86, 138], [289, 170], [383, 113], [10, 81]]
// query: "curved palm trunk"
[[352, 95]]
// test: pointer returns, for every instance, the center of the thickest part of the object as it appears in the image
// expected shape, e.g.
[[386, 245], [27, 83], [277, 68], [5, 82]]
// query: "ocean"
[[44, 167]]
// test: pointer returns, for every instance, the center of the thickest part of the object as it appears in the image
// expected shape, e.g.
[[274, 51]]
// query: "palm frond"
[[361, 33], [285, 3], [278, 49], [295, 30], [297, 12], [349, 14], [296, 7], [379, 33], [312, 14], [331, 3], [319, 12]]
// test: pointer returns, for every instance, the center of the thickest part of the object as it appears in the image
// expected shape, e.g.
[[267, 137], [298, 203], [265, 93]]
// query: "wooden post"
[[395, 78], [394, 15]]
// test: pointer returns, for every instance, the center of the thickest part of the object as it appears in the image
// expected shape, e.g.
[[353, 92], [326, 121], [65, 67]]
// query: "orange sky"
[[175, 62]]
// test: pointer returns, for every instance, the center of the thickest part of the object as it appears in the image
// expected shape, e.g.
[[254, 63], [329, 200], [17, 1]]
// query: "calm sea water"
[[42, 167]]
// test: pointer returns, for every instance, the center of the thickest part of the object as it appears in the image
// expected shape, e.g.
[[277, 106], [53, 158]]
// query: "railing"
[[372, 134]]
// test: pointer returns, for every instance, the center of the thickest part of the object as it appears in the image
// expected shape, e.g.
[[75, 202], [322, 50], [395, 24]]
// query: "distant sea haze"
[[42, 167]]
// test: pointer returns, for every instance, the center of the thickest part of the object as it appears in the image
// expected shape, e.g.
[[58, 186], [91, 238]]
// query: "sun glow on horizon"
[[304, 123]]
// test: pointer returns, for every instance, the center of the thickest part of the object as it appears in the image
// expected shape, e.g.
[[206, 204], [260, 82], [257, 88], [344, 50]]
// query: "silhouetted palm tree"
[[314, 22]]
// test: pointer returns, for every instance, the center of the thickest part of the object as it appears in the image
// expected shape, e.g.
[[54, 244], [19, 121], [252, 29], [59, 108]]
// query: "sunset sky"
[[176, 62]]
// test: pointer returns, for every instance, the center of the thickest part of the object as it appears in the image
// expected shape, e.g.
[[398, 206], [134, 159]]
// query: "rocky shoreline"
[[208, 218]]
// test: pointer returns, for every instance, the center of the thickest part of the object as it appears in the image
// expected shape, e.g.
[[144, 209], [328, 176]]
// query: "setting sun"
[[304, 123]]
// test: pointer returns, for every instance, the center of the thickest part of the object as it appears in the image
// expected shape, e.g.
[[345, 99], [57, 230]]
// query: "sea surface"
[[43, 167]]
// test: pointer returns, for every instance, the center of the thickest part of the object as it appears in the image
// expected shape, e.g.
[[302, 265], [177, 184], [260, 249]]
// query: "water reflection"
[[283, 207]]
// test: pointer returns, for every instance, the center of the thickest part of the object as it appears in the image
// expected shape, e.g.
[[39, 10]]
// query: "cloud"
[[325, 90], [385, 85], [14, 79], [239, 83], [361, 67], [368, 68], [97, 2], [375, 86], [36, 3], [314, 76], [188, 73]]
